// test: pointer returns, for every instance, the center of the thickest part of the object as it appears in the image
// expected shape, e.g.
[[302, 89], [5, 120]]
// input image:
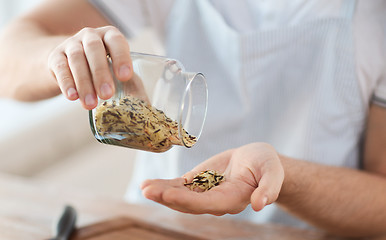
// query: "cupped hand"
[[80, 65], [253, 174]]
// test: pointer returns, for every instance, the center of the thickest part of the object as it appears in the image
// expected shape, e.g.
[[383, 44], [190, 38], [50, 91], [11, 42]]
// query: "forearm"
[[24, 47], [343, 201]]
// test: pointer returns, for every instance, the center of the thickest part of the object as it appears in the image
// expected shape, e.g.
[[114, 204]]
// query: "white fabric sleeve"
[[379, 96], [132, 16]]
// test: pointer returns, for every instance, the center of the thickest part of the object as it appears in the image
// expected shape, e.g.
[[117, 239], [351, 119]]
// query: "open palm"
[[253, 174]]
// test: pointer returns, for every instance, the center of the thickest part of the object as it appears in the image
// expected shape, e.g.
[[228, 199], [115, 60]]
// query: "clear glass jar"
[[161, 106]]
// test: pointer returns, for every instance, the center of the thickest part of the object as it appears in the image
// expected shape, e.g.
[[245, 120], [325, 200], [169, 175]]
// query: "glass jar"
[[161, 106]]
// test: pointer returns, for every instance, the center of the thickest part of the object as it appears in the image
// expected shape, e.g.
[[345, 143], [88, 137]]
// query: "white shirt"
[[132, 16], [326, 121]]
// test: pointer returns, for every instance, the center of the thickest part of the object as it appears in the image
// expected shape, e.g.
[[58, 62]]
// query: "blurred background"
[[51, 140]]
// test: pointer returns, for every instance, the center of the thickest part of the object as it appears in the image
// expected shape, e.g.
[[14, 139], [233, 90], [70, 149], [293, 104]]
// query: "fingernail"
[[89, 100], [124, 71], [71, 92], [265, 200], [106, 90]]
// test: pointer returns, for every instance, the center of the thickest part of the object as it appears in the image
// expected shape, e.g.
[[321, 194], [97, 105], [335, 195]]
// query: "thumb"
[[259, 199], [268, 190]]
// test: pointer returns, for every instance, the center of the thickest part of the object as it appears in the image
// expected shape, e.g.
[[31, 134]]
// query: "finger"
[[154, 188], [119, 51], [173, 194], [269, 188], [95, 53], [169, 182], [59, 67], [80, 71], [217, 201]]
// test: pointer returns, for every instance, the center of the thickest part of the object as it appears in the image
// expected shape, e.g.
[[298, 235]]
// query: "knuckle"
[[85, 30], [74, 52], [52, 56], [59, 66], [114, 35], [92, 42], [64, 80], [55, 57], [111, 28], [52, 62]]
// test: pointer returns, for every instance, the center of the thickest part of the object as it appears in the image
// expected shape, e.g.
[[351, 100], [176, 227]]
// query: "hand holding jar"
[[80, 67], [152, 109]]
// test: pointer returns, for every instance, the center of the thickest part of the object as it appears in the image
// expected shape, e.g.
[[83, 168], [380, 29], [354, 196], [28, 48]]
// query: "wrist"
[[290, 185]]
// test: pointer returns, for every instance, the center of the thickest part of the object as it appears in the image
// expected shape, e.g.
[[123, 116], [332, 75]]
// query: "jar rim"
[[198, 79]]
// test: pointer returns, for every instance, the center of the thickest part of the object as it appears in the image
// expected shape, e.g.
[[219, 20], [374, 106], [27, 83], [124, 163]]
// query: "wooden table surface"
[[28, 210]]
